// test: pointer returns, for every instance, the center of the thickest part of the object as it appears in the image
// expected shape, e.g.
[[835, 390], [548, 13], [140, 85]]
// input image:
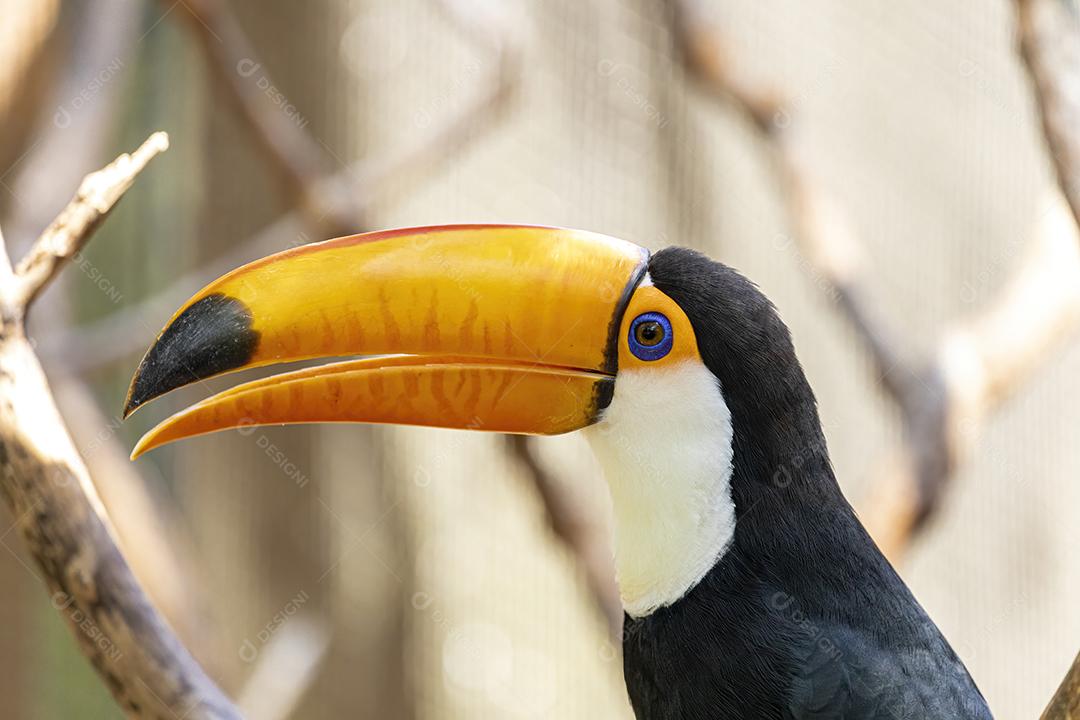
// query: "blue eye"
[[650, 336]]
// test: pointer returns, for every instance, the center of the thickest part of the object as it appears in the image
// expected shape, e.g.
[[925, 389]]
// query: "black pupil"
[[649, 332]]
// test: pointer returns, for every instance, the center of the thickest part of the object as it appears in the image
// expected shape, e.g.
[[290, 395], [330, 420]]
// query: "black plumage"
[[802, 617]]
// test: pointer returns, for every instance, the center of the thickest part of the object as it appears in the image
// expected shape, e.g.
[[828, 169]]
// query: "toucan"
[[750, 588]]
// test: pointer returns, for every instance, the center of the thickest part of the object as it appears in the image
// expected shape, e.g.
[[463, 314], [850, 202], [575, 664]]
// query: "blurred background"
[[345, 571]]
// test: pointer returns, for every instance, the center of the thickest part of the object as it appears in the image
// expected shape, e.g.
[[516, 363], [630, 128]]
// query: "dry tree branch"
[[825, 237], [982, 361], [1065, 705], [156, 546], [945, 400], [942, 400], [820, 228], [1049, 36], [73, 227], [58, 511], [67, 142]]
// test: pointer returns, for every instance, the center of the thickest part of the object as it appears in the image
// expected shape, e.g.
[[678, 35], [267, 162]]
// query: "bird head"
[[676, 367]]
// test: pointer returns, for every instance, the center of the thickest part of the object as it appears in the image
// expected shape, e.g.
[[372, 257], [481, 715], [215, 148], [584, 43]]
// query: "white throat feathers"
[[665, 444]]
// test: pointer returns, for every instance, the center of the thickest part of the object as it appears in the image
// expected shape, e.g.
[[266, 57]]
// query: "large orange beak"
[[502, 328]]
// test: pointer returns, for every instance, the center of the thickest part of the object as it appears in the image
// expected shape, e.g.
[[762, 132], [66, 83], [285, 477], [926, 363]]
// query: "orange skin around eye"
[[684, 342]]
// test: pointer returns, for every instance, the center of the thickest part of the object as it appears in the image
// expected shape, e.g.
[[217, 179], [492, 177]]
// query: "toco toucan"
[[751, 589]]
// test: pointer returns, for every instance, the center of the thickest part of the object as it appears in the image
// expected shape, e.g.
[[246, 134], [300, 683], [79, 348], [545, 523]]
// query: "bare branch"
[[944, 399], [825, 237], [67, 234], [706, 57], [155, 544], [980, 363], [578, 532], [822, 232], [1065, 705], [1050, 48], [57, 509], [988, 357]]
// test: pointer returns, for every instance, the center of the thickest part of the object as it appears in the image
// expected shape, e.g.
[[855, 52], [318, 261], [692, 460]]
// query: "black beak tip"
[[211, 336], [138, 394]]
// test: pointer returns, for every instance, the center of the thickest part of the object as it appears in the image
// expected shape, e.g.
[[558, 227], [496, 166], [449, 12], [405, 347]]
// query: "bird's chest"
[[707, 658]]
